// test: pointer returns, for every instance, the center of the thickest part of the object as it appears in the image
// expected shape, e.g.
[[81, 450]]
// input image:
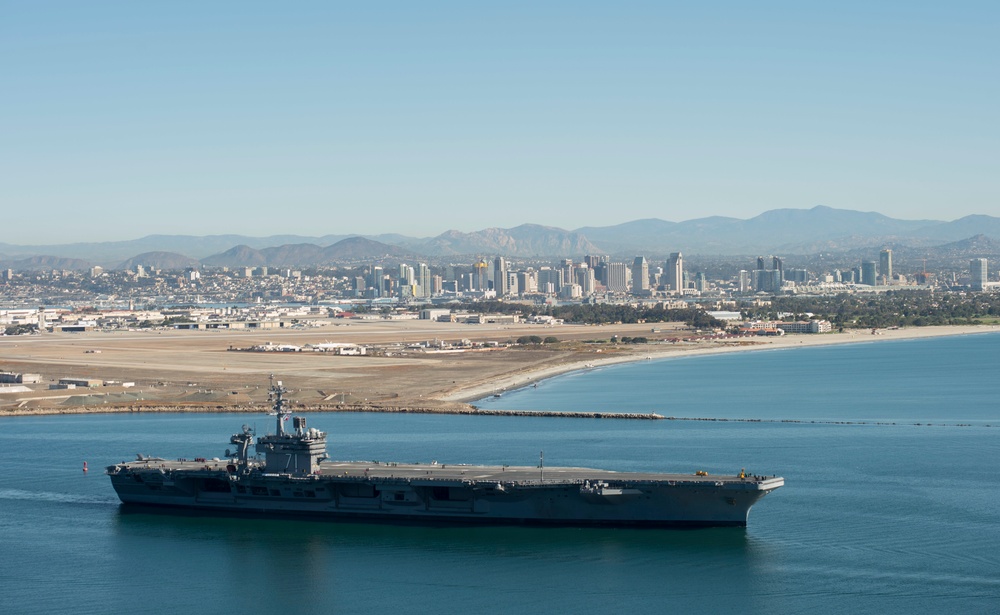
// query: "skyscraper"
[[406, 275], [500, 281], [479, 281], [527, 281], [375, 282], [868, 275], [549, 280], [744, 281], [885, 264], [617, 277], [424, 279], [585, 278], [977, 271], [640, 276], [567, 271], [675, 273]]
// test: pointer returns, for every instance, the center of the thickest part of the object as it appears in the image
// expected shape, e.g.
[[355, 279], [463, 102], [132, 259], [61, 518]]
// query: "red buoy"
[[84, 466]]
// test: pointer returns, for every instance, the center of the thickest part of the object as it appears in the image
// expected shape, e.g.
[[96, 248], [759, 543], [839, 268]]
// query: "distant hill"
[[628, 237], [780, 231], [361, 248], [237, 256], [777, 230], [961, 228], [45, 262], [159, 260], [977, 246], [524, 240], [307, 254]]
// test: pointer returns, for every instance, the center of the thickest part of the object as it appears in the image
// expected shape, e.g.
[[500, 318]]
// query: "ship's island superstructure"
[[296, 478]]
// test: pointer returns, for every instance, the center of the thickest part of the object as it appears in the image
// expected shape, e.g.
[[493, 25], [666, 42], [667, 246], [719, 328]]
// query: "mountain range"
[[784, 231]]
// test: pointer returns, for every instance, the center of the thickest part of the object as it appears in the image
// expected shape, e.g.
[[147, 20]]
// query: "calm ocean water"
[[889, 451]]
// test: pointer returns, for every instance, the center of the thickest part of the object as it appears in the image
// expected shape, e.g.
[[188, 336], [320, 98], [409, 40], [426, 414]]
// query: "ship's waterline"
[[296, 478]]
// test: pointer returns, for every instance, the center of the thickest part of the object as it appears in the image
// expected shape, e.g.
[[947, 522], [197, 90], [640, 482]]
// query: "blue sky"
[[123, 119]]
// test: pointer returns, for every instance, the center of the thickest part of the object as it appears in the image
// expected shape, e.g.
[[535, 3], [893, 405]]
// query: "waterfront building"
[[978, 273]]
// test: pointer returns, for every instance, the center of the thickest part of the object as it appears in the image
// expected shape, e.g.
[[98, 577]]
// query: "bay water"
[[891, 504]]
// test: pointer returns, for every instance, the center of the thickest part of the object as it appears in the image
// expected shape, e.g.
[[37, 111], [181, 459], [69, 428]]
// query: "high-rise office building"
[[675, 273], [585, 279], [640, 276], [767, 280], [868, 273], [617, 275], [978, 273], [549, 280], [375, 281], [424, 280], [527, 281], [479, 276], [406, 275], [885, 264], [567, 271], [500, 282]]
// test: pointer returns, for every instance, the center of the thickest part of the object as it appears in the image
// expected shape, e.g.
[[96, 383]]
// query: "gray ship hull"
[[435, 494], [295, 478]]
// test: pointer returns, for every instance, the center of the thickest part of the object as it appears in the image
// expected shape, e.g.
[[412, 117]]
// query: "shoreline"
[[194, 373], [479, 391]]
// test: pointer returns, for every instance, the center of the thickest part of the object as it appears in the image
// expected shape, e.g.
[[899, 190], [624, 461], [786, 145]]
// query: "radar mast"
[[275, 395]]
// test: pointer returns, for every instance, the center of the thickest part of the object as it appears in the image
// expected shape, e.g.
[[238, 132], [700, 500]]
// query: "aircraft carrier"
[[295, 478]]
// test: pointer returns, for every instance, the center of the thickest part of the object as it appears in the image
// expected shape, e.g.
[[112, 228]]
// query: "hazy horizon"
[[123, 120], [347, 233]]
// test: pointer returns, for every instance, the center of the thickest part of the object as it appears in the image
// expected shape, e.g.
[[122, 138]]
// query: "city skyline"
[[122, 121]]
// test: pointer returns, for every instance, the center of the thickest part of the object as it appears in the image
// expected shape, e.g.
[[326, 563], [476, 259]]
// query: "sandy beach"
[[473, 392], [198, 370]]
